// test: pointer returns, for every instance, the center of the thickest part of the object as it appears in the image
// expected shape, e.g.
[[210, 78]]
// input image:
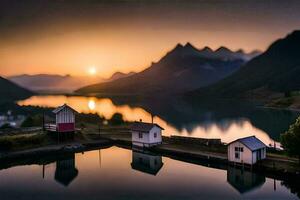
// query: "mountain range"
[[60, 83], [182, 69], [277, 70], [10, 91]]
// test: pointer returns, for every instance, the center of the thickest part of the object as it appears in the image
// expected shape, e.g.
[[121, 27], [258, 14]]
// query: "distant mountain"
[[224, 53], [59, 83], [10, 91], [54, 83], [276, 70], [118, 75], [182, 69]]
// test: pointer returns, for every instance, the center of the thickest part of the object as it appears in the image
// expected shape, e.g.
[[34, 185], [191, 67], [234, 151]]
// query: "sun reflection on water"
[[106, 108]]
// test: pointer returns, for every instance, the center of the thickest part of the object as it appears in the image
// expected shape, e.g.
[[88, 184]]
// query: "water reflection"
[[66, 171], [116, 173], [225, 120], [146, 162], [243, 180]]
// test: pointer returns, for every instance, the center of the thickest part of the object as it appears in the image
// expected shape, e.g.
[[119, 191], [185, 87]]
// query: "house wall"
[[245, 156], [65, 116], [65, 120], [139, 141], [152, 139], [148, 138]]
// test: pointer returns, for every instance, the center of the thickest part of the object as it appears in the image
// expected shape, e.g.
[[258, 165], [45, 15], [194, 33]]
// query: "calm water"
[[116, 173], [225, 120]]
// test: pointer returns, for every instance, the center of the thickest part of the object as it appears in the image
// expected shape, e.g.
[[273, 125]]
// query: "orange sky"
[[69, 38]]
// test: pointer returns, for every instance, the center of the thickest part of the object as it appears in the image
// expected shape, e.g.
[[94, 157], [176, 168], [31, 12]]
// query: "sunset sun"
[[92, 71]]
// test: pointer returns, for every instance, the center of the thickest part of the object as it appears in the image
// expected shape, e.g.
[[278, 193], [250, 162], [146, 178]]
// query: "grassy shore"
[[92, 136]]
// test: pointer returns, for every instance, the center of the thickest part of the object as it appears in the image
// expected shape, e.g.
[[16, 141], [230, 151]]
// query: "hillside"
[[182, 69], [10, 91], [275, 71], [118, 75]]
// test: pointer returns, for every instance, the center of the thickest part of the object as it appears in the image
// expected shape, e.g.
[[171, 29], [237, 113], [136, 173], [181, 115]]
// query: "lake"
[[116, 173], [227, 120]]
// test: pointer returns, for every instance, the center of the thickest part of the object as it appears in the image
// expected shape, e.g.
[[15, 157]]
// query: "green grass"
[[17, 142]]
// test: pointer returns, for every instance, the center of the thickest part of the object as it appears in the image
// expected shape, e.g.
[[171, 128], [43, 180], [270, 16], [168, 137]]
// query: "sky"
[[73, 36]]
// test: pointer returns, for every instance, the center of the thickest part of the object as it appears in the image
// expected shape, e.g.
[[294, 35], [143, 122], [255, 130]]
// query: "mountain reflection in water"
[[227, 120]]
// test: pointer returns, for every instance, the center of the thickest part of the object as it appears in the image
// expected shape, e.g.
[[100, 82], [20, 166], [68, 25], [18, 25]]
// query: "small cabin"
[[64, 120], [246, 150], [146, 134]]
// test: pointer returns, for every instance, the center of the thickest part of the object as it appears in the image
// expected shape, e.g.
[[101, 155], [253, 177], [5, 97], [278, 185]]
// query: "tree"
[[290, 140], [116, 119], [36, 120]]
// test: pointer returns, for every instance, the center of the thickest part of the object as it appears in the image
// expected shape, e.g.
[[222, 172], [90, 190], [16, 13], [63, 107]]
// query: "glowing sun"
[[92, 71]]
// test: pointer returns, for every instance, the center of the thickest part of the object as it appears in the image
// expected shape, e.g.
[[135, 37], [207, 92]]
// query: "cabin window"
[[237, 155], [155, 135], [239, 149], [140, 135]]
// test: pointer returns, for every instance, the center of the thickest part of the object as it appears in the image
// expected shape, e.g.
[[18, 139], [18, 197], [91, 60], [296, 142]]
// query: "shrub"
[[19, 141], [290, 140], [35, 120], [116, 119]]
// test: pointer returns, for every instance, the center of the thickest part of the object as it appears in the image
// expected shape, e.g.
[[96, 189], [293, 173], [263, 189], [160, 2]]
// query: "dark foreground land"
[[40, 148]]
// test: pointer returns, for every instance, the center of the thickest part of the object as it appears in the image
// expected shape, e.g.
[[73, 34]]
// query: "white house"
[[64, 120], [146, 134], [246, 150]]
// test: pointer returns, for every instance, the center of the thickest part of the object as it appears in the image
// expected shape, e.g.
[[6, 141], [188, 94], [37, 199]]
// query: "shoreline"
[[280, 108], [275, 166]]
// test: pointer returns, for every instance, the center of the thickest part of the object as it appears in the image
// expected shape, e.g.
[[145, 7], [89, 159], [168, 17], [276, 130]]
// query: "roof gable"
[[251, 142], [144, 127], [60, 108]]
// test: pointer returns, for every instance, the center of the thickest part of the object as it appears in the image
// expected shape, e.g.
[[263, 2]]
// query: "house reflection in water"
[[146, 162], [66, 171], [244, 181]]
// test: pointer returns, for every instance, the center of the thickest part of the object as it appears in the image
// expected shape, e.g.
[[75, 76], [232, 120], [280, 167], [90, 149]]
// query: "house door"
[[258, 154]]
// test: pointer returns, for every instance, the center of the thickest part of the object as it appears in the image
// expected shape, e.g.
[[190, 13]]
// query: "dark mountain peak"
[[223, 49], [241, 51], [189, 45], [295, 33], [276, 70], [178, 46], [288, 46], [189, 48], [206, 49]]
